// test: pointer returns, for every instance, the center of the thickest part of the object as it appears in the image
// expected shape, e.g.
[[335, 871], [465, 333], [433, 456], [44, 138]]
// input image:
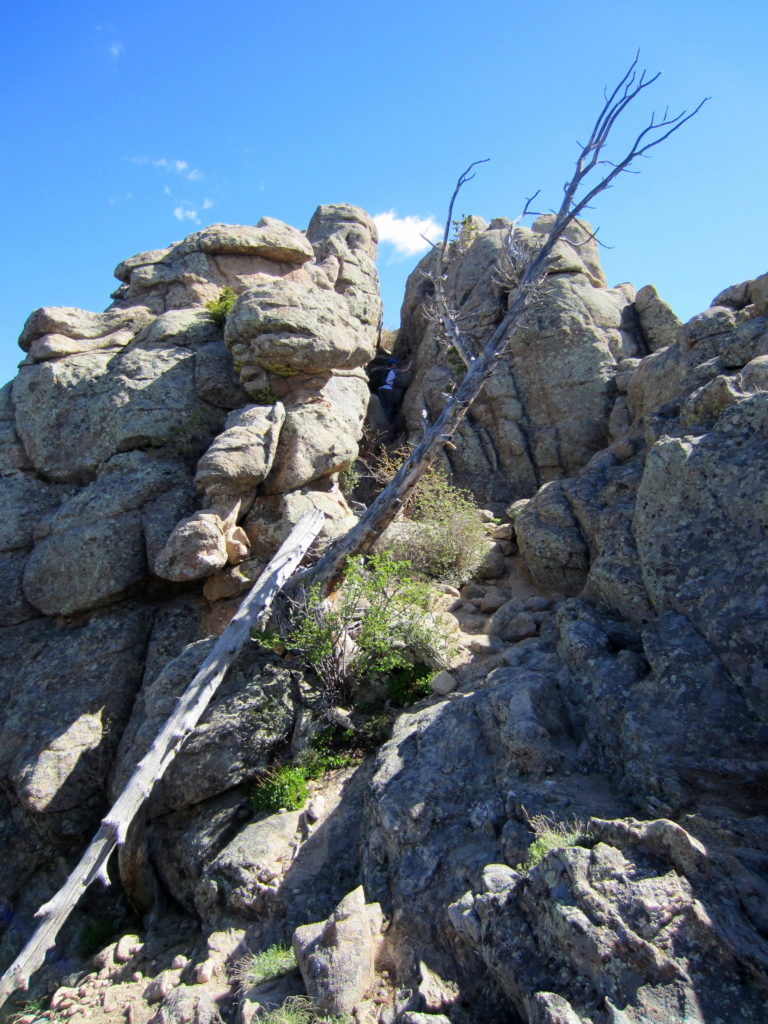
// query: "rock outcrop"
[[152, 462], [571, 828]]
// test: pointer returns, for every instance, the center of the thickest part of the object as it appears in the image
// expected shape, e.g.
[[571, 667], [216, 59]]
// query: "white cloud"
[[166, 190], [180, 167], [407, 234], [115, 50], [207, 203], [183, 213]]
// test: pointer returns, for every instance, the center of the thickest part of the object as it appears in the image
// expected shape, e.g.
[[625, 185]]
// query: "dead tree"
[[190, 707], [593, 174]]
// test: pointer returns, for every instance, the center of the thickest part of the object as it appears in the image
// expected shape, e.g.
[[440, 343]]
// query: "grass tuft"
[[256, 968], [551, 835]]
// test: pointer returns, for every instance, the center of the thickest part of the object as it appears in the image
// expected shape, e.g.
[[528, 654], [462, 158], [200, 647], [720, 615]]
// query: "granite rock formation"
[[610, 676]]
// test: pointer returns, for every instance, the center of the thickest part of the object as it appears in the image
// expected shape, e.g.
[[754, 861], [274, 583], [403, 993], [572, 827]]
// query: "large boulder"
[[696, 507], [624, 924], [337, 957], [288, 328]]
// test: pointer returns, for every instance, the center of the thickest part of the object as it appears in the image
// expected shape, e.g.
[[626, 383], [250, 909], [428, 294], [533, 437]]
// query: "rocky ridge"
[[611, 671]]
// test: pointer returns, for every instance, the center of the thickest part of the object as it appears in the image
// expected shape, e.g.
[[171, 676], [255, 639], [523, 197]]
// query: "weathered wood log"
[[190, 707]]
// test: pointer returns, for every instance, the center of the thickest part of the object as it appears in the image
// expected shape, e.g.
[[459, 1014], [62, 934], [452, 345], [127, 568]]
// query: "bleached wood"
[[189, 709]]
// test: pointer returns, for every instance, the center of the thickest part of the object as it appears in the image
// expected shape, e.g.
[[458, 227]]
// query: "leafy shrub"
[[551, 835], [450, 543], [283, 786], [256, 968], [221, 308], [380, 621]]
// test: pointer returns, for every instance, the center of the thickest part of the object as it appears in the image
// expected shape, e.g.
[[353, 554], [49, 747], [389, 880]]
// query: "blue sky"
[[126, 126]]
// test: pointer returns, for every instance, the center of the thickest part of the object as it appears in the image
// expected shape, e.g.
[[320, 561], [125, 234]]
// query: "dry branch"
[[190, 707]]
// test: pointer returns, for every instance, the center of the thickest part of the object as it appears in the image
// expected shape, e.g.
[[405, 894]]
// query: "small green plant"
[[349, 480], [374, 731], [551, 835], [221, 308], [284, 786], [315, 763], [299, 1010], [465, 231], [256, 968], [265, 396]]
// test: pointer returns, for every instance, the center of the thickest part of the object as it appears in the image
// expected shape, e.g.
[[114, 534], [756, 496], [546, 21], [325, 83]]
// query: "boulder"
[[695, 500], [658, 323], [273, 516], [605, 928], [242, 455], [93, 549], [64, 706], [288, 328], [545, 410], [337, 957], [73, 414], [319, 437], [195, 549]]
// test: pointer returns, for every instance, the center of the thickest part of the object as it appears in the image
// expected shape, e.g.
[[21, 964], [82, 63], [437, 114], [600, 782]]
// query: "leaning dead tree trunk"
[[593, 174], [150, 769]]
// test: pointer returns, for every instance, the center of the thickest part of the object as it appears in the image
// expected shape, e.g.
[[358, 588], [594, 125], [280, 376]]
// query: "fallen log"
[[189, 709]]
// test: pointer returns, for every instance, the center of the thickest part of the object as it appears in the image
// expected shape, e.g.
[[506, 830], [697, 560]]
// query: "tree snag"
[[593, 174]]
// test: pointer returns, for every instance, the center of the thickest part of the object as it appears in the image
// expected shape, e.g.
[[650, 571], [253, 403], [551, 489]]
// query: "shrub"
[[450, 543], [221, 308], [282, 786], [551, 835], [380, 621], [256, 968], [314, 762]]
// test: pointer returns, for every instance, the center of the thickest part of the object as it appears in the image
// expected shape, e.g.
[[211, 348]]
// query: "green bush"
[[450, 542], [551, 835], [221, 308], [315, 762], [284, 786], [256, 968], [380, 621]]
